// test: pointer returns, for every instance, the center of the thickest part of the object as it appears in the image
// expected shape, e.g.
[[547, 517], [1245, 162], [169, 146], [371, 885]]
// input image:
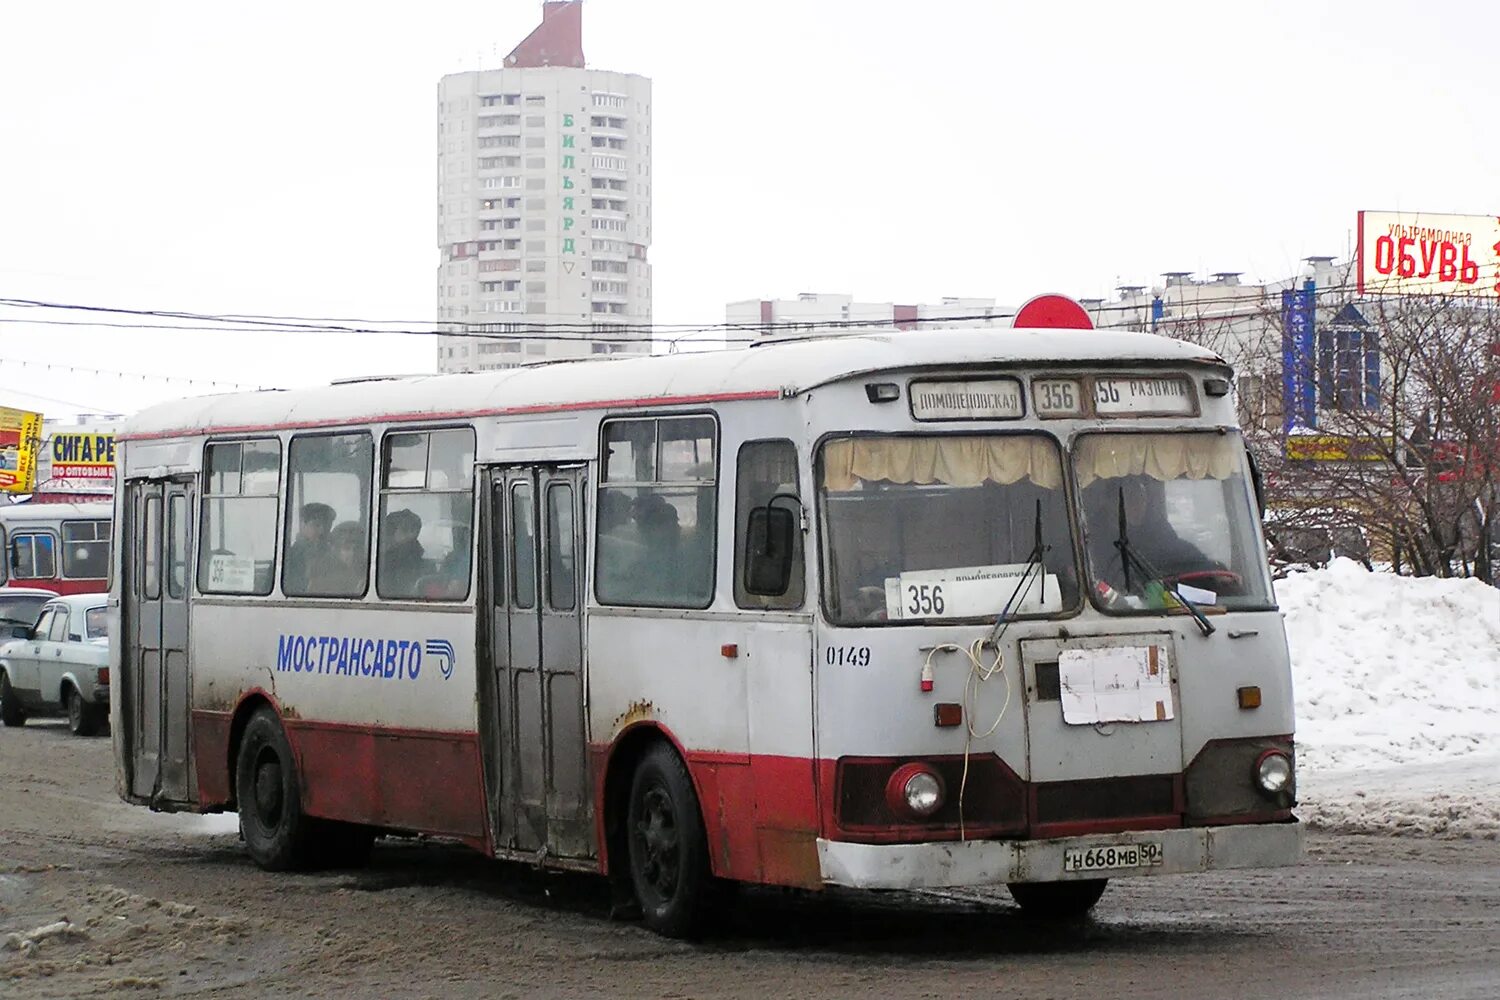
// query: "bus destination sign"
[[1139, 396], [969, 399]]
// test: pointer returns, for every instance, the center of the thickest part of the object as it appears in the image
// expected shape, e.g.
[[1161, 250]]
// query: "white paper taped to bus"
[[970, 592], [231, 574], [1115, 684]]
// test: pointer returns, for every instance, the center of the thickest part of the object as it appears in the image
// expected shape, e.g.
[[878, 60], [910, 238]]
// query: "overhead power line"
[[64, 366]]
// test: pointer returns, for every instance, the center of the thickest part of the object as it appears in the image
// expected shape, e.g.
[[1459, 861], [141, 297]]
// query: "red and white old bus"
[[933, 608], [63, 547]]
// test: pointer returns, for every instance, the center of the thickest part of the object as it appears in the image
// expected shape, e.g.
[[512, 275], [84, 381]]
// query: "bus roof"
[[33, 512], [762, 371]]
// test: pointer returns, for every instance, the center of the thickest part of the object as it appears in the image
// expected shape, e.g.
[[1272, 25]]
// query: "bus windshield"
[[1167, 513], [944, 527]]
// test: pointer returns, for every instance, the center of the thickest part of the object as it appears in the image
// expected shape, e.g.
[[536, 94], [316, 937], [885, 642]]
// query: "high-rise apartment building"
[[544, 206]]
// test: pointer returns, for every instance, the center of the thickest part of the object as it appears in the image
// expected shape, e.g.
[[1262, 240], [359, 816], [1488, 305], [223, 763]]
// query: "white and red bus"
[[932, 608], [63, 547]]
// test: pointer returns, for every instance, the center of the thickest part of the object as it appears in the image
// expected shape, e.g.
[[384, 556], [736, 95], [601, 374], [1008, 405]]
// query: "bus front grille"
[[1106, 799]]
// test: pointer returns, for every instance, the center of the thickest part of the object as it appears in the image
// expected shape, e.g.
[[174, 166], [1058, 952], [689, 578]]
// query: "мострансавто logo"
[[358, 656]]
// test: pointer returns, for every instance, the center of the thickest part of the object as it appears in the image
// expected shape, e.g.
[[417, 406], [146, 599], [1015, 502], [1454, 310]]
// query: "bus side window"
[[326, 543], [32, 556], [426, 544], [657, 512], [150, 562], [237, 543], [85, 550], [765, 469]]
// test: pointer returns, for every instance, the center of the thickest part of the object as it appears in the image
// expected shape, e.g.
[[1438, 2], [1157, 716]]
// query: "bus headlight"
[[1273, 772], [914, 791]]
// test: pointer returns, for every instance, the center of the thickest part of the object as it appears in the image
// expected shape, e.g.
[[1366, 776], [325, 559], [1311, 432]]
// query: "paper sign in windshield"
[[970, 592], [1115, 684], [231, 574]]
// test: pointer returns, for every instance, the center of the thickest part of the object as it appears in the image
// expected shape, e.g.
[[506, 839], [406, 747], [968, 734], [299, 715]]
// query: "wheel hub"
[[656, 832], [268, 792]]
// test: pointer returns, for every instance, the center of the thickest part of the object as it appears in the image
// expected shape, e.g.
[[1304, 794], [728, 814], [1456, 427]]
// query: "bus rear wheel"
[[668, 851], [1057, 900], [277, 835]]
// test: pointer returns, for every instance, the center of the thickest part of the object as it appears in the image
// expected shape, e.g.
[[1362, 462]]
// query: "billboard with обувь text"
[[1426, 253]]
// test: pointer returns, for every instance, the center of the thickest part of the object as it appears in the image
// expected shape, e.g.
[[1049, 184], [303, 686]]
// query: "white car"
[[58, 666]]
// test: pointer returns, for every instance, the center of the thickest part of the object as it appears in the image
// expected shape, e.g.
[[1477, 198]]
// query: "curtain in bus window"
[[950, 461], [1183, 502], [328, 515], [85, 550], [1163, 457], [945, 527]]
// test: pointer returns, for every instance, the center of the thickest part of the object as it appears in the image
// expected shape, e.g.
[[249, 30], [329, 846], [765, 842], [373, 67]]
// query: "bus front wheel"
[[668, 851], [1057, 900], [277, 835]]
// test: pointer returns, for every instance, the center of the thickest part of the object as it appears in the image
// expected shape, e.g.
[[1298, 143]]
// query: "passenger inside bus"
[[1149, 534], [619, 542], [343, 574], [452, 576], [659, 562], [311, 549], [401, 555]]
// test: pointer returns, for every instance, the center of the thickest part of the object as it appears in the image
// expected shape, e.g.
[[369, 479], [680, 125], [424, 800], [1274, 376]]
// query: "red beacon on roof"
[[1052, 312]]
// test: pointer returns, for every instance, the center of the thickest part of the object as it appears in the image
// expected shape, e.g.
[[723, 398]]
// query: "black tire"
[[10, 709], [1057, 900], [277, 835], [83, 719], [668, 851]]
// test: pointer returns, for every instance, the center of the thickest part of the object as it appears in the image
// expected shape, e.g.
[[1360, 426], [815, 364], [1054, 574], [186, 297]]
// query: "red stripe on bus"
[[60, 587], [762, 813], [426, 781], [506, 411]]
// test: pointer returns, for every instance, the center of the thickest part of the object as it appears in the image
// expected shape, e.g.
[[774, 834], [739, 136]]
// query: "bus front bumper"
[[991, 862]]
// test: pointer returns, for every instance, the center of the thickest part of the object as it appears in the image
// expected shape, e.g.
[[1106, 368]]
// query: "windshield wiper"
[[1033, 561], [1129, 556]]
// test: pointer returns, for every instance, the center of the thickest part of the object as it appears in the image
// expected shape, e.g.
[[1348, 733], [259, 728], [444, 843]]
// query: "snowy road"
[[103, 898]]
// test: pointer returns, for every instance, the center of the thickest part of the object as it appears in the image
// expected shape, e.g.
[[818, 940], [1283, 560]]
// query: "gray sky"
[[279, 157]]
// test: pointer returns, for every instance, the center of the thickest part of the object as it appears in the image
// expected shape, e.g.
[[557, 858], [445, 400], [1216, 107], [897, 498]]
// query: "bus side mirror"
[[769, 538], [1257, 481]]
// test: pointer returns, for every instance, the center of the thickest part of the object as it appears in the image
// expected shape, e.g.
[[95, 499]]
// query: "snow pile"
[[28, 942], [1397, 681]]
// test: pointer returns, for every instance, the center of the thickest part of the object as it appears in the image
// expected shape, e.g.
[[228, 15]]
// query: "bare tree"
[[1404, 453]]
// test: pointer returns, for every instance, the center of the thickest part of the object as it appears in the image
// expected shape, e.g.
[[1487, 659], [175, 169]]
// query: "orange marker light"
[[729, 650], [1249, 697], [947, 713]]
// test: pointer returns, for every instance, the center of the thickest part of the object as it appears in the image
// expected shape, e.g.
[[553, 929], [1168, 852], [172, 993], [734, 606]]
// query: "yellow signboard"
[[20, 434], [1335, 448], [83, 455]]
